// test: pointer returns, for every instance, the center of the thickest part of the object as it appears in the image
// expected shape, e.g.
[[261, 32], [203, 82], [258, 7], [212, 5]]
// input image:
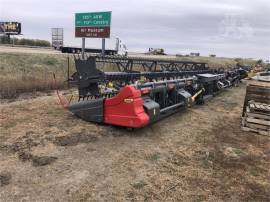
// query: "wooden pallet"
[[257, 126], [257, 118], [257, 115], [258, 131], [260, 126], [258, 121], [258, 92], [255, 122], [258, 107]]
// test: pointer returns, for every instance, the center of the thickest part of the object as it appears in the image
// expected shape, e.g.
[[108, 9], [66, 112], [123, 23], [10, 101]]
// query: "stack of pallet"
[[256, 110], [257, 118]]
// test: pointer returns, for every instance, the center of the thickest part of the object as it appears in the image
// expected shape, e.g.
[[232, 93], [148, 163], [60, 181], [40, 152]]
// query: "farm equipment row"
[[143, 90]]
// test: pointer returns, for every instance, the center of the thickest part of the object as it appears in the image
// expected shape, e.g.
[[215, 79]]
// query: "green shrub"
[[27, 42]]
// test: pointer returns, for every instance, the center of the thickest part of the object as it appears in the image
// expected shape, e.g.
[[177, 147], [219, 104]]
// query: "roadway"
[[45, 50]]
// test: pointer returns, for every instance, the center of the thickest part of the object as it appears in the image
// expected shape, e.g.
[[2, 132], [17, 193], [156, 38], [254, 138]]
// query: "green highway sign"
[[96, 19], [93, 25]]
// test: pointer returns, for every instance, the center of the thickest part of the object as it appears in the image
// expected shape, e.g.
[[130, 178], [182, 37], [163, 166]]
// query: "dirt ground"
[[47, 154]]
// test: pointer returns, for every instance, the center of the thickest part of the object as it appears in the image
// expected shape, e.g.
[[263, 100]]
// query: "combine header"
[[143, 90]]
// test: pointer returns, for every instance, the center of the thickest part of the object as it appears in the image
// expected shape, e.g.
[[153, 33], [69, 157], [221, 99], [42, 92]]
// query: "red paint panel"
[[93, 32], [126, 109]]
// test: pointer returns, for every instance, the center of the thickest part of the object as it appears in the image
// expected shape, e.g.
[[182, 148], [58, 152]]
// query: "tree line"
[[28, 42]]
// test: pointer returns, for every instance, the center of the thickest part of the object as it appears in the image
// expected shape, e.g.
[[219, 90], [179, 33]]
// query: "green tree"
[[27, 42]]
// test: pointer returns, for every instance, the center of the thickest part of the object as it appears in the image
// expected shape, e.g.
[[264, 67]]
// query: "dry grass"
[[30, 72]]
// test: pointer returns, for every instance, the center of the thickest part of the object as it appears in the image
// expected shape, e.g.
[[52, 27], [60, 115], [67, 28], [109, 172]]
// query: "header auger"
[[143, 90]]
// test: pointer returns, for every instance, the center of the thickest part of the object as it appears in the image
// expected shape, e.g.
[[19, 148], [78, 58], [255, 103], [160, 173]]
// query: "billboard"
[[93, 25], [10, 28]]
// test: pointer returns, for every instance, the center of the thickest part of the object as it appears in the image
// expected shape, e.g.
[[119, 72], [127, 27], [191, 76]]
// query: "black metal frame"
[[126, 64], [88, 77]]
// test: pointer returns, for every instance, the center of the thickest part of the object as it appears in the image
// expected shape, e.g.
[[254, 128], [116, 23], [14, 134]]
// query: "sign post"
[[103, 47], [83, 47], [93, 25]]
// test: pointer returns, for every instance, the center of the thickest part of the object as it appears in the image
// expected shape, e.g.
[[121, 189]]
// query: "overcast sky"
[[226, 27]]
